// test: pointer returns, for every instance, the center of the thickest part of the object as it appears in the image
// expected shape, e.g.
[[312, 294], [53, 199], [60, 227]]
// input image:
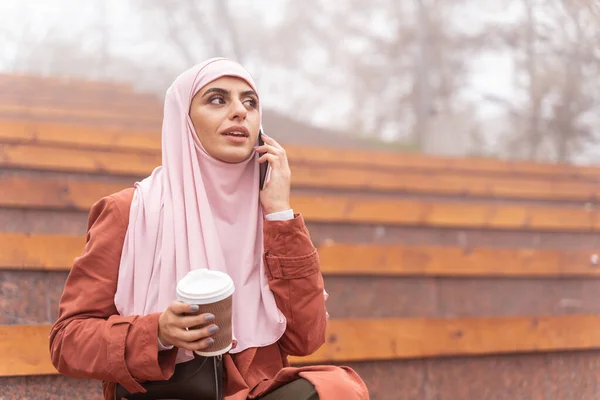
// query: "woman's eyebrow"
[[227, 93], [249, 93], [216, 90]]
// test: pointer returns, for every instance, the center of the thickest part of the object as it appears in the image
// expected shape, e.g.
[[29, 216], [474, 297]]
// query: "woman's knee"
[[299, 389]]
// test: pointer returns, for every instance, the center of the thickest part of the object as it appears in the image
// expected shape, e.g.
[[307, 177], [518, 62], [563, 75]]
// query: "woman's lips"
[[236, 138]]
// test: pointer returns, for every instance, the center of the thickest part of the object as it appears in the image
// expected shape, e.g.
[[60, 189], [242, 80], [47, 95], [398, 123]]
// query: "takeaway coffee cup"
[[213, 292]]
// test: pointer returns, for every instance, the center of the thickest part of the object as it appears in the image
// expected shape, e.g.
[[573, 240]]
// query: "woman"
[[118, 318]]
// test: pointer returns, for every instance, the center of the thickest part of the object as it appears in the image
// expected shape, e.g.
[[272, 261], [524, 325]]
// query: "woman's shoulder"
[[123, 199], [116, 203]]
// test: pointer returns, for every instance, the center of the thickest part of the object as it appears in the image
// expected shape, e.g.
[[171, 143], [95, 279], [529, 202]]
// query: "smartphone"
[[264, 166]]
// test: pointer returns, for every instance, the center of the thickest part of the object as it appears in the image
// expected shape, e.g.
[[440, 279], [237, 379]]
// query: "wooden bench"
[[76, 136], [25, 348], [433, 298], [54, 99], [65, 91], [328, 176], [37, 90], [47, 111], [56, 253], [60, 193], [11, 82], [91, 138], [119, 106]]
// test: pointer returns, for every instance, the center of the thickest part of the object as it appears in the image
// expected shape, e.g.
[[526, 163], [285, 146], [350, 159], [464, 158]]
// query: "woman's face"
[[226, 119]]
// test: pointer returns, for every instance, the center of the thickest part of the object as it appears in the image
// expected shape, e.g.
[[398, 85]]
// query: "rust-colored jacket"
[[91, 340]]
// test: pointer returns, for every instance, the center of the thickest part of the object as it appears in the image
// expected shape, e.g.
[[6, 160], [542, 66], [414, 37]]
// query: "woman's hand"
[[275, 195], [173, 322]]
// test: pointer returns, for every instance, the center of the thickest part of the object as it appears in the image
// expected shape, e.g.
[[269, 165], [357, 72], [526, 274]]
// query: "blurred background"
[[444, 156], [514, 79]]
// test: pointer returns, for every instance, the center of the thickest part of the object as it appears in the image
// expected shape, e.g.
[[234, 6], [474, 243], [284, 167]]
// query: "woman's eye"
[[217, 100], [250, 103]]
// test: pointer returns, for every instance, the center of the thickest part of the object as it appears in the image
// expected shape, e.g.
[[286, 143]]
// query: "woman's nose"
[[239, 111]]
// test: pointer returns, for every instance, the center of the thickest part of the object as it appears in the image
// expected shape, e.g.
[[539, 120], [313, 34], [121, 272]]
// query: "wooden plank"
[[451, 261], [53, 193], [124, 106], [33, 81], [393, 339], [86, 137], [441, 214], [395, 160], [39, 252], [141, 163], [57, 252], [64, 159], [25, 348], [127, 123], [54, 111], [78, 136], [442, 183]]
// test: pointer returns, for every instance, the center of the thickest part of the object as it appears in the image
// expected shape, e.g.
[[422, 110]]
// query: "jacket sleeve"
[[90, 339], [294, 275]]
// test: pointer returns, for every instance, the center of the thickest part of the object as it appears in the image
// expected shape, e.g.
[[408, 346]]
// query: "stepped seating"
[[32, 98], [467, 276]]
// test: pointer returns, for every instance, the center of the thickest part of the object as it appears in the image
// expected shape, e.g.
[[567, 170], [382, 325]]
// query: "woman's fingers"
[[275, 161], [270, 141], [201, 345], [189, 321], [275, 196], [268, 149], [194, 335], [273, 147], [181, 308], [268, 157]]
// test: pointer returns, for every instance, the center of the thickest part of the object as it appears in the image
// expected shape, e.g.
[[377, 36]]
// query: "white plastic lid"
[[202, 286]]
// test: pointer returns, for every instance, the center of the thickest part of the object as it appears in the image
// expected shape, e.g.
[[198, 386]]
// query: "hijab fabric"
[[195, 211]]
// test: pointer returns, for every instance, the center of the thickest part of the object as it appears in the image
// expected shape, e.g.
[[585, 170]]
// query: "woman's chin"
[[233, 154]]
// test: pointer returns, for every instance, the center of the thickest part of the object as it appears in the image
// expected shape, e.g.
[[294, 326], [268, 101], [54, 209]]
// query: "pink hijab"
[[193, 212]]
